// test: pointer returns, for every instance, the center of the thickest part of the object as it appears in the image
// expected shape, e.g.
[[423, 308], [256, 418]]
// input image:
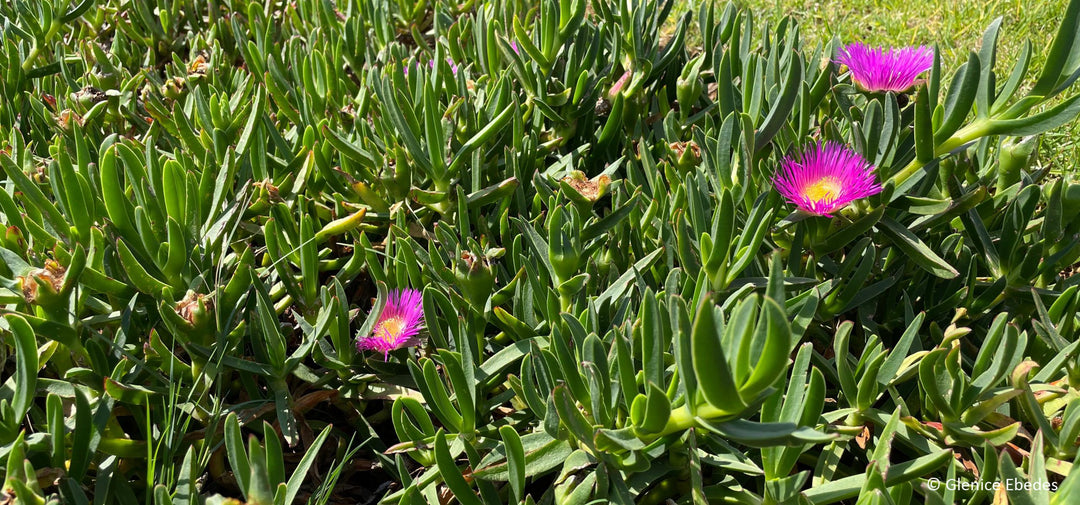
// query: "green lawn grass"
[[954, 26]]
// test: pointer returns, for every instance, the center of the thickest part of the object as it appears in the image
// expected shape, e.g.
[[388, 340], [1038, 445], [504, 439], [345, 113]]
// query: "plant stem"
[[36, 49], [681, 418], [973, 131]]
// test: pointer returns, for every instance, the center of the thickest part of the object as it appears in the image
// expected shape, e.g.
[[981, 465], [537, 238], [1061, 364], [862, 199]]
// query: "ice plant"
[[879, 69], [655, 313], [431, 65], [824, 178], [399, 324]]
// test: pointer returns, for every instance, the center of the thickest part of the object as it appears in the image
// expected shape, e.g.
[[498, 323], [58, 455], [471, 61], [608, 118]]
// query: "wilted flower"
[[89, 95], [475, 278], [195, 309], [43, 284], [173, 89], [825, 178], [198, 66], [685, 155], [583, 190], [266, 194], [66, 117], [399, 324], [885, 69]]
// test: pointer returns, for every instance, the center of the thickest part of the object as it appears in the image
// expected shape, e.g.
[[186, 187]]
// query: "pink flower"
[[824, 178], [885, 69], [513, 45], [453, 66], [399, 324]]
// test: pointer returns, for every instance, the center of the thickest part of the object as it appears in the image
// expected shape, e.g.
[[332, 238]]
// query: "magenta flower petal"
[[399, 324], [453, 66], [514, 46], [824, 178], [885, 69]]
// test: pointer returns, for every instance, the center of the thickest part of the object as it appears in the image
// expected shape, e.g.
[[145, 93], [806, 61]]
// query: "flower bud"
[[688, 86], [563, 254], [604, 261], [564, 259], [1016, 155]]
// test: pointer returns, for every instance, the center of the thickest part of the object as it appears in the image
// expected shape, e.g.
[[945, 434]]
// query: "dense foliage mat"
[[364, 251]]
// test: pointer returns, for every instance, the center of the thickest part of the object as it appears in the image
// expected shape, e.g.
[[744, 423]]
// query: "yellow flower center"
[[823, 190], [392, 327]]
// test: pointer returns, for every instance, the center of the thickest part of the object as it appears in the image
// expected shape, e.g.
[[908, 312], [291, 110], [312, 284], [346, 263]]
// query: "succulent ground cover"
[[529, 252]]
